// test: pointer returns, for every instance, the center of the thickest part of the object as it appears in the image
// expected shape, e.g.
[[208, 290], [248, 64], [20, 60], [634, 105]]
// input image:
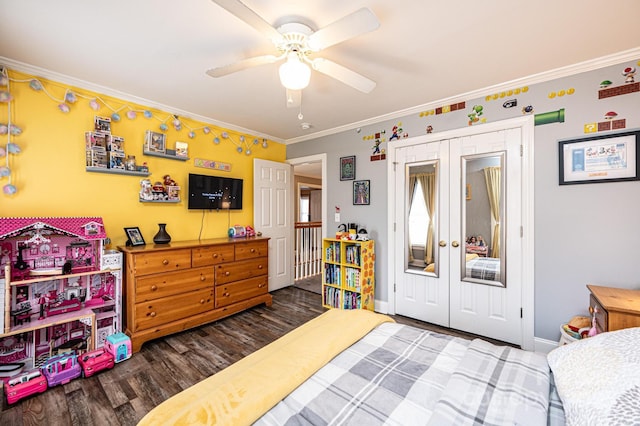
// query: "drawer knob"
[[260, 285], [259, 266], [215, 255], [225, 294], [202, 301], [227, 273], [253, 250], [154, 287], [202, 278], [152, 314], [165, 262]]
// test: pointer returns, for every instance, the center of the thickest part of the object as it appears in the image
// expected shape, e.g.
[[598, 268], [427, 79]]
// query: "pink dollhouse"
[[59, 289]]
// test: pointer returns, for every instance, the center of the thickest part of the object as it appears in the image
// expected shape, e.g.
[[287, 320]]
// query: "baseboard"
[[543, 345], [381, 307], [540, 345]]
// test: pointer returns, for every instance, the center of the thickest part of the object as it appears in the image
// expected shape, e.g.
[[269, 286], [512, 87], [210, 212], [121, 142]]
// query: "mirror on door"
[[482, 214], [421, 228]]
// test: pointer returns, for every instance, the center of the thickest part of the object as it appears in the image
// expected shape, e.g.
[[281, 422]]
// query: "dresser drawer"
[[227, 294], [162, 261], [212, 255], [229, 272], [251, 249], [602, 317], [168, 284], [162, 311]]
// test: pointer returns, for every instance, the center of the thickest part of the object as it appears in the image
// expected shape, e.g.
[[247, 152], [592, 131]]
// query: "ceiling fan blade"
[[294, 98], [359, 22], [242, 12], [343, 74], [242, 65]]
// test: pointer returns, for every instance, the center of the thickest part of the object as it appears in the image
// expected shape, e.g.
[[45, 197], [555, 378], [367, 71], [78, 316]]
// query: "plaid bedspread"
[[484, 268], [401, 375]]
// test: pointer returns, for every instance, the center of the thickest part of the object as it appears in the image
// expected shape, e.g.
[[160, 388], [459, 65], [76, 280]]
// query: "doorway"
[[485, 289], [310, 213]]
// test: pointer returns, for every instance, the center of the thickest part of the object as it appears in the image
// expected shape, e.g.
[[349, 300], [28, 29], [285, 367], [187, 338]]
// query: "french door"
[[473, 184]]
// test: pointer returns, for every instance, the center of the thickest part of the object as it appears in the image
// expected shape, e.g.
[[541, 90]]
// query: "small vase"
[[162, 237]]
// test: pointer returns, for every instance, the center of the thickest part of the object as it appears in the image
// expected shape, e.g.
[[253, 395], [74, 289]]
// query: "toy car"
[[94, 361], [25, 384], [61, 369]]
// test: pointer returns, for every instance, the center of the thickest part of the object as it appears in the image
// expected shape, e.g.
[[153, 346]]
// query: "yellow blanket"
[[242, 392]]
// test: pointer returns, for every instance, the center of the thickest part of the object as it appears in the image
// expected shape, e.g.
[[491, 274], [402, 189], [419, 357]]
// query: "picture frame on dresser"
[[134, 236]]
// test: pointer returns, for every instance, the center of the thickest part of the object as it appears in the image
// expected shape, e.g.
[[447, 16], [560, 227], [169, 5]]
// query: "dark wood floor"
[[164, 367]]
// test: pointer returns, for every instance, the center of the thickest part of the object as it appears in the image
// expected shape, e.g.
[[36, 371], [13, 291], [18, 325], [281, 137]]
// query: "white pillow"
[[598, 378]]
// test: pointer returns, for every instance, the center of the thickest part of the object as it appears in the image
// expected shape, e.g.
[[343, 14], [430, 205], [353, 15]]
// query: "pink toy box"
[[119, 345]]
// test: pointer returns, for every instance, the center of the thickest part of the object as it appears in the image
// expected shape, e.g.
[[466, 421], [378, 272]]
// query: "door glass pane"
[[483, 214], [421, 219]]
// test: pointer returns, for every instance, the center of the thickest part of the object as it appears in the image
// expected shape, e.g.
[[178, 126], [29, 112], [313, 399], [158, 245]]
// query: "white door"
[[273, 216], [475, 306], [448, 295], [419, 295]]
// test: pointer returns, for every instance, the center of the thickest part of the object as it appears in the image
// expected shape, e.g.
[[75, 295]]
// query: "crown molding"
[[83, 84], [590, 65]]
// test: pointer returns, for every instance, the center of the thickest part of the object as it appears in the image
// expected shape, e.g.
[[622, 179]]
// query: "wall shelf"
[[160, 201], [117, 171], [169, 156]]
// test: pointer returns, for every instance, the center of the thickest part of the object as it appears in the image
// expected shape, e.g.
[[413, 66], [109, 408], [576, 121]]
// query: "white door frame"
[[526, 124], [313, 159]]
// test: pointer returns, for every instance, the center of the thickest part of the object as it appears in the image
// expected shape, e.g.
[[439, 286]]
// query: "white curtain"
[[492, 177]]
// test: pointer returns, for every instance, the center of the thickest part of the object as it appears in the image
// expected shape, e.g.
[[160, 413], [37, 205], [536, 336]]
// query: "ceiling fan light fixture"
[[294, 74]]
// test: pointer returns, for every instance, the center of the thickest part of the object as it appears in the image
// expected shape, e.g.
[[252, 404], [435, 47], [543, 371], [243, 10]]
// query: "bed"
[[359, 367]]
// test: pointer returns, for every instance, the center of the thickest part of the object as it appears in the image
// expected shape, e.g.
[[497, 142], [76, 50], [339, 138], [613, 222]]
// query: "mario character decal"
[[376, 147], [476, 113], [395, 131], [629, 73]]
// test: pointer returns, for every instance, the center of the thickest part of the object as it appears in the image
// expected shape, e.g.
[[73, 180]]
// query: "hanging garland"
[[70, 97], [10, 130]]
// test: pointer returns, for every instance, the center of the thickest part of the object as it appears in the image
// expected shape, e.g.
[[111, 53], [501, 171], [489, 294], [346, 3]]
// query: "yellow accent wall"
[[51, 179]]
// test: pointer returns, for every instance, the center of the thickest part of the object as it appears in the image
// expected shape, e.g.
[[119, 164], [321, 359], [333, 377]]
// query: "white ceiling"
[[424, 51]]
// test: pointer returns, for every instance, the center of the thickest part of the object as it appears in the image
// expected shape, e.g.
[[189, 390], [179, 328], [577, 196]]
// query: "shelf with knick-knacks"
[[167, 191], [105, 152], [155, 145]]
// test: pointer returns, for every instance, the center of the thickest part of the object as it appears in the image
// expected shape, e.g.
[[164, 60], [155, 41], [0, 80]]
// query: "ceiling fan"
[[297, 43]]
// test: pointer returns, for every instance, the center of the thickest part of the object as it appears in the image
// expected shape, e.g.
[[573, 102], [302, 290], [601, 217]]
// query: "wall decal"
[[210, 164]]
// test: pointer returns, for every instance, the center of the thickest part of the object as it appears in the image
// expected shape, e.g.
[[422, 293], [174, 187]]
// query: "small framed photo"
[[155, 142], [134, 236], [348, 168], [361, 192], [613, 157]]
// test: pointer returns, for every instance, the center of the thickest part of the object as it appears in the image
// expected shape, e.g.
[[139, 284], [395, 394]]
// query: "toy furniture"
[[119, 346], [59, 289]]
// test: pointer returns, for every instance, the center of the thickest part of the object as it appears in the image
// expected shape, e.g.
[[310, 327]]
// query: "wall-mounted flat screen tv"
[[214, 193]]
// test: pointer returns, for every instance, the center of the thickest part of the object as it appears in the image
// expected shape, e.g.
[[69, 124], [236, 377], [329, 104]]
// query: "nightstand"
[[614, 308]]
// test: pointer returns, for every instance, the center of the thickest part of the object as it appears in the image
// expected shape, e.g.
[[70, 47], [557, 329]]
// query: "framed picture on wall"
[[612, 157], [361, 192], [348, 168]]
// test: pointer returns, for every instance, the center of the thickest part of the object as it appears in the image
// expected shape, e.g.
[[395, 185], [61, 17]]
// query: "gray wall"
[[583, 233]]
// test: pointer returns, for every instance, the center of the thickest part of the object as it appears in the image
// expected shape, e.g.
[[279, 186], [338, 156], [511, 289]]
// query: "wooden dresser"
[[184, 284], [614, 308]]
